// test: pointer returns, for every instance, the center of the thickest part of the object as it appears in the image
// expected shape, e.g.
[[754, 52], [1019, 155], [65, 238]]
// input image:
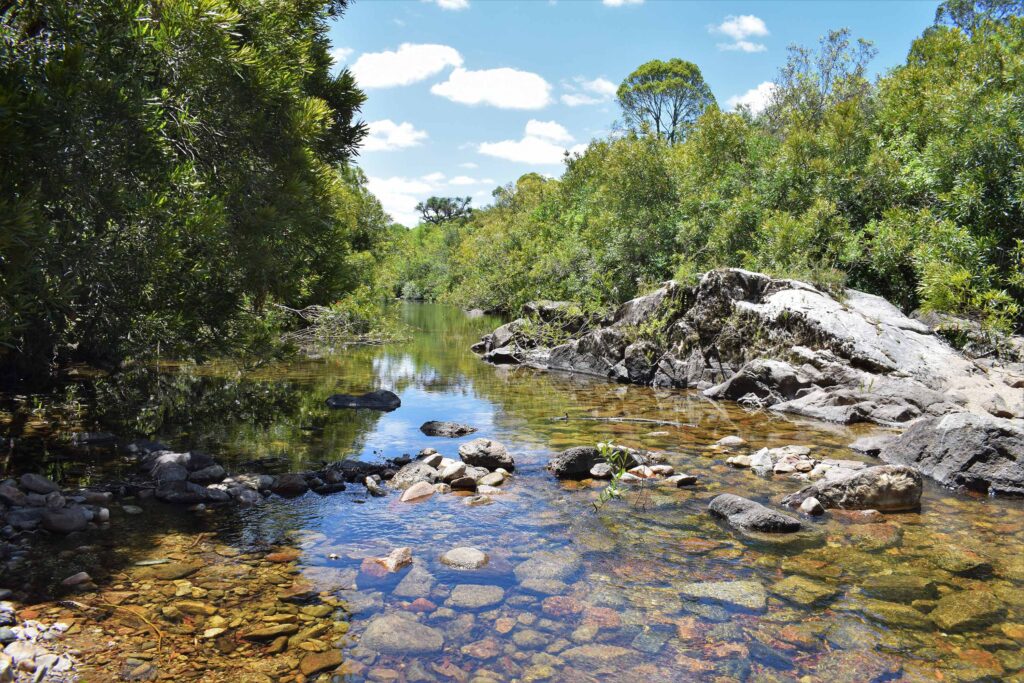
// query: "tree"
[[666, 97], [444, 209], [967, 15]]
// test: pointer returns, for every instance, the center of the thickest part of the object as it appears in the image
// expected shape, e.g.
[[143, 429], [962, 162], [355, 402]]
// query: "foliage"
[[911, 188], [664, 97], [444, 209], [619, 460], [168, 170]]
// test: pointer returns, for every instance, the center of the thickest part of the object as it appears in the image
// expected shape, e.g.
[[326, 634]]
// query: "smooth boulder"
[[578, 461], [748, 515], [487, 454], [887, 488], [374, 400], [449, 429]]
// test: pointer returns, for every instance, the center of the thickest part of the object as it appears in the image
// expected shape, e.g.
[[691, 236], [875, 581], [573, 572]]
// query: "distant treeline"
[[911, 187]]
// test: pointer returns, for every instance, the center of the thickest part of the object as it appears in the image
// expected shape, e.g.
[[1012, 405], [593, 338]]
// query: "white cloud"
[[399, 196], [539, 144], [620, 3], [582, 91], [739, 28], [453, 4], [466, 180], [409, 64], [340, 55], [468, 164], [504, 88], [434, 178], [386, 136], [755, 99]]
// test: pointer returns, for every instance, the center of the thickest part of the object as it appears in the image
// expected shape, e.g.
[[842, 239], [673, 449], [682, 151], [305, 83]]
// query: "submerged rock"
[[421, 490], [963, 450], [804, 591], [473, 596], [395, 635], [749, 595], [450, 429], [888, 488], [751, 516], [968, 610], [375, 400], [464, 558]]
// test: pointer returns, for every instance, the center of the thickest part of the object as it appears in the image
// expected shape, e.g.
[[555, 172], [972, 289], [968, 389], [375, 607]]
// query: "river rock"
[[449, 429], [549, 566], [578, 461], [804, 591], [888, 488], [413, 473], [749, 595], [751, 516], [37, 483], [290, 485], [899, 587], [12, 496], [963, 450], [597, 654], [375, 400], [421, 490], [395, 560], [417, 583], [473, 596], [487, 454], [491, 479], [967, 610], [267, 633], [456, 470], [208, 475], [189, 493], [315, 662], [464, 558], [66, 520], [395, 635]]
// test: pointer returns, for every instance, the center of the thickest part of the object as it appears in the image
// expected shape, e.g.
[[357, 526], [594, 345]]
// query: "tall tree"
[[666, 98], [444, 209]]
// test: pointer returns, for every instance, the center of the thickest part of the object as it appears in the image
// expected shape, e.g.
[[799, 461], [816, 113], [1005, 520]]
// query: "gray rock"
[[454, 471], [888, 488], [578, 461], [486, 453], [465, 558], [491, 479], [25, 519], [375, 400], [208, 475], [374, 488], [474, 596], [394, 635], [37, 483], [549, 566], [748, 595], [596, 353], [12, 496], [413, 473], [290, 485], [449, 429], [872, 445], [188, 493], [748, 515], [770, 381], [963, 450], [417, 583], [65, 520]]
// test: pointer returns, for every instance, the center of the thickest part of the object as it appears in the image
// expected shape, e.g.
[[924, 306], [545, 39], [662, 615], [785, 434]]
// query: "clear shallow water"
[[620, 611]]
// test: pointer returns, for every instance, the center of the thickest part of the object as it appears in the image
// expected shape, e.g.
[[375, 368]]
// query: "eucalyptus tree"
[[665, 98]]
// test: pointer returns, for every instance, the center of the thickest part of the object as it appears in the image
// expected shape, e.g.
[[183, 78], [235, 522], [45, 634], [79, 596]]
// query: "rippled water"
[[622, 613]]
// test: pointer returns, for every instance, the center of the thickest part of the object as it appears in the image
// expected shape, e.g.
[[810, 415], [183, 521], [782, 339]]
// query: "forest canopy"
[[911, 187]]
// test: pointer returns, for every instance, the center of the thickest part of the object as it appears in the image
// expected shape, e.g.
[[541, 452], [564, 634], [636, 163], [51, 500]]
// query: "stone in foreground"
[[889, 488], [395, 635], [749, 595], [375, 400], [751, 516]]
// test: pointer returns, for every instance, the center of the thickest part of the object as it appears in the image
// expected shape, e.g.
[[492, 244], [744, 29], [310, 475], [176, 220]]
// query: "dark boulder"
[[375, 400], [189, 493], [767, 381], [578, 461], [37, 483], [748, 515], [965, 450], [449, 429], [290, 485], [66, 520]]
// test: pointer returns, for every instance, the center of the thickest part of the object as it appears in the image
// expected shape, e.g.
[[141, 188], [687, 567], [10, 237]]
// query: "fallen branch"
[[637, 420]]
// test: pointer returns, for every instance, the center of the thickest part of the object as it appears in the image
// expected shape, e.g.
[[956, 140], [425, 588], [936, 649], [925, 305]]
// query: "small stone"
[[681, 480], [746, 594], [967, 610], [731, 442], [396, 559], [77, 579], [271, 632], [320, 661], [465, 558], [395, 635], [474, 596], [213, 632], [37, 483], [811, 506], [421, 490]]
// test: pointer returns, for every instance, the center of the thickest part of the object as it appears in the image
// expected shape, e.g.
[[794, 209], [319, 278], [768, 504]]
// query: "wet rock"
[[464, 558], [899, 587], [857, 666], [964, 450], [873, 445], [751, 516], [419, 491], [37, 483], [188, 493], [895, 614], [889, 488], [65, 520], [463, 483], [289, 485], [680, 480], [453, 471], [549, 566], [449, 429], [764, 382], [315, 662], [394, 635], [413, 473], [491, 479], [417, 583], [577, 462], [77, 579], [375, 400], [811, 506], [731, 442], [969, 610], [487, 454], [168, 571], [473, 596], [374, 487], [589, 655], [12, 496], [804, 591], [395, 560], [272, 632], [208, 475], [749, 595]]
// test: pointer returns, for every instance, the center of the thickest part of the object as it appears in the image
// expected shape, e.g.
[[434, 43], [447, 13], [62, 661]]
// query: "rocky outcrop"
[[789, 347], [887, 488], [964, 450]]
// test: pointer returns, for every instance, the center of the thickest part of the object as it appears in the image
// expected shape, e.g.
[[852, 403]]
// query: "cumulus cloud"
[[740, 28], [386, 136], [410, 63], [399, 196], [620, 3], [468, 164], [543, 142], [464, 180], [755, 99], [452, 4], [504, 88], [340, 55], [583, 91]]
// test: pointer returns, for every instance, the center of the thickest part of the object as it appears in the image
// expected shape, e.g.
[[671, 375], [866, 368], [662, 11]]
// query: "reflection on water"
[[589, 595]]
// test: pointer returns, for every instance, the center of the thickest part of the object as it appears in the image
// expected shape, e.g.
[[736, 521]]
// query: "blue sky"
[[466, 95]]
